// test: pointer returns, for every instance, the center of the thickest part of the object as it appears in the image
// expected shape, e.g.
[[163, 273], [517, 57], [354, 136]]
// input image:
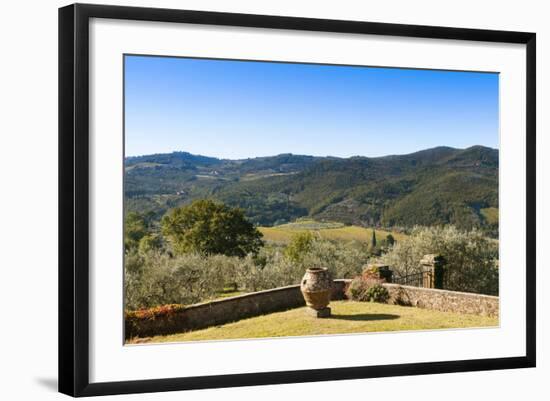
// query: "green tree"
[[209, 228], [299, 245], [373, 239], [135, 229], [471, 258], [150, 242]]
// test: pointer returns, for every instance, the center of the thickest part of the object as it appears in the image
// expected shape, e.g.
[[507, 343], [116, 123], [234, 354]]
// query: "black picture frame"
[[74, 192]]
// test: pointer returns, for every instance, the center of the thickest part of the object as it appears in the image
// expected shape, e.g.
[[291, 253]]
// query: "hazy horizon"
[[302, 154], [233, 109]]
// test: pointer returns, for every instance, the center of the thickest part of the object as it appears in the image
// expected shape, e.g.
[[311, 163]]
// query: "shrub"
[[372, 273], [154, 313], [153, 321], [367, 289], [357, 289], [377, 293]]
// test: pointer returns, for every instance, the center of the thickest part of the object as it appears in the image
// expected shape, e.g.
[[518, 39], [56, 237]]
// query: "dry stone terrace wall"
[[231, 309], [443, 300]]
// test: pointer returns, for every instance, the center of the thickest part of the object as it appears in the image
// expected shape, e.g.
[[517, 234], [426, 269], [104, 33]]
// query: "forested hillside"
[[435, 186]]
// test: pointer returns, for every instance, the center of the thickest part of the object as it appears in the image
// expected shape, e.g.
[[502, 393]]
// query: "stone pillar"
[[433, 271], [378, 271]]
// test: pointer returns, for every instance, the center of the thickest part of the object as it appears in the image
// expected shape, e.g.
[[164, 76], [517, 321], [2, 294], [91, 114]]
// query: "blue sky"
[[240, 109]]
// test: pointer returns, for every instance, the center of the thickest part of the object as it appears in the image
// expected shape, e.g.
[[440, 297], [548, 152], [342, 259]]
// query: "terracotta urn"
[[316, 288]]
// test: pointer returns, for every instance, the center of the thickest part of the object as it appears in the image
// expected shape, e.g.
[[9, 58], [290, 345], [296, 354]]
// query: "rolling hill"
[[334, 231], [435, 186]]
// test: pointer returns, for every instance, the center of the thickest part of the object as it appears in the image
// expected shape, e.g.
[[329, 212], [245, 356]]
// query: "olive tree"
[[471, 258]]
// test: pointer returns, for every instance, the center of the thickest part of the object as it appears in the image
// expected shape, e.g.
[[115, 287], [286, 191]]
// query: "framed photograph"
[[251, 199]]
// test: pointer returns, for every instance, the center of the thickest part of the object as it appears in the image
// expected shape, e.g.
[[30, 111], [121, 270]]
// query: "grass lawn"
[[333, 231], [347, 317]]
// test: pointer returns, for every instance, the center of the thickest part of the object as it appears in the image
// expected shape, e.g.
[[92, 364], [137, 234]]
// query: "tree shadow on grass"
[[365, 317]]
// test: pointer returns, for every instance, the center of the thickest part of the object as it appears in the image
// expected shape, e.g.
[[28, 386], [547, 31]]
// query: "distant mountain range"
[[434, 186]]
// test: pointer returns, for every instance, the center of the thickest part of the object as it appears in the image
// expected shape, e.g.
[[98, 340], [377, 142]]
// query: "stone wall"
[[222, 311], [231, 309], [443, 300]]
